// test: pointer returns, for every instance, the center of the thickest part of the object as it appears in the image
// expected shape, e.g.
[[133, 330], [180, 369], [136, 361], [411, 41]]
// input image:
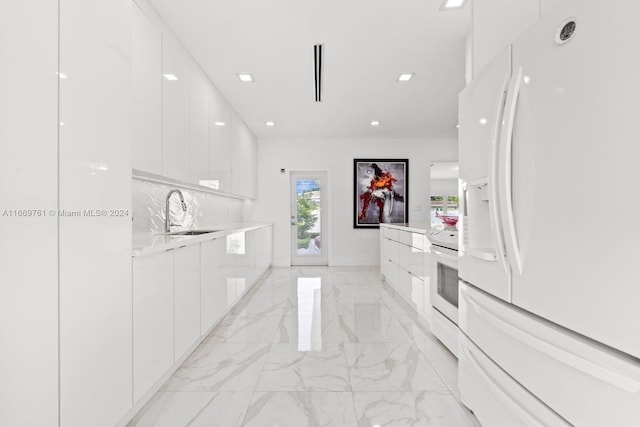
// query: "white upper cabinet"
[[176, 81], [244, 161], [496, 24], [219, 141], [184, 129], [199, 129], [147, 93]]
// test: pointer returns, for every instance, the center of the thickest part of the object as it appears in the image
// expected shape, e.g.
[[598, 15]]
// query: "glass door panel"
[[308, 230]]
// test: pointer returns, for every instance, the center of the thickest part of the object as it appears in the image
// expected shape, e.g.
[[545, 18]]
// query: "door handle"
[[505, 174]]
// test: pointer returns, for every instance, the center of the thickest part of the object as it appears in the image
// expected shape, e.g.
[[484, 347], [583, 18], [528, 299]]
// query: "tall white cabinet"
[[65, 124], [28, 173], [94, 155]]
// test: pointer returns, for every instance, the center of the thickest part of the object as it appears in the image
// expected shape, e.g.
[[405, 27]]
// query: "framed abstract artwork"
[[381, 192]]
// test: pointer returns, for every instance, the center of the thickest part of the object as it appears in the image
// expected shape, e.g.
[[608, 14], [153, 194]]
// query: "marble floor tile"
[[371, 322], [248, 328], [390, 367], [315, 346], [193, 409], [220, 367], [290, 367], [317, 332], [443, 361], [298, 409], [411, 409]]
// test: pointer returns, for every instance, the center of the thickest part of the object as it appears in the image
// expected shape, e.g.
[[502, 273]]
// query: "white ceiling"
[[367, 44]]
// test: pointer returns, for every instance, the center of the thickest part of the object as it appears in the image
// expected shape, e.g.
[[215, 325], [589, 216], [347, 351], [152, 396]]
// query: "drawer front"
[[494, 397], [580, 377], [389, 249], [415, 262], [391, 272], [390, 233], [404, 283], [416, 240], [417, 292]]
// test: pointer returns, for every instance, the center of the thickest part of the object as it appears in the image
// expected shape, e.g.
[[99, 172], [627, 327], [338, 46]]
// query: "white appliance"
[[550, 290], [444, 289]]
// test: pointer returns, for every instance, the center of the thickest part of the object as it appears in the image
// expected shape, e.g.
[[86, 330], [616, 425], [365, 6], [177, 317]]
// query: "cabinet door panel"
[[199, 129], [219, 142], [187, 298], [146, 60], [152, 319], [176, 76], [213, 283]]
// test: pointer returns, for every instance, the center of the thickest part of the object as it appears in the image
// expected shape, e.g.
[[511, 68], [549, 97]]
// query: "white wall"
[[347, 246], [444, 187]]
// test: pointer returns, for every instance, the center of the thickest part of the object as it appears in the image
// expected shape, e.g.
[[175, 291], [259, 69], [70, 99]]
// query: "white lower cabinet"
[[213, 283], [403, 265], [180, 294], [186, 291], [404, 283], [417, 292], [152, 319]]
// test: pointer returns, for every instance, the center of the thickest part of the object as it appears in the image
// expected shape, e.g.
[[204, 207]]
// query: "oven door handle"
[[444, 255]]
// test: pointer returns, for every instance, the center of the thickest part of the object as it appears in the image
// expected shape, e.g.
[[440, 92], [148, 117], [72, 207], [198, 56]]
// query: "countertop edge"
[[155, 243], [412, 227]]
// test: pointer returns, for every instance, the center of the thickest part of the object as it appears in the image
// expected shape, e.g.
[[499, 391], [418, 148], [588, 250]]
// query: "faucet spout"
[[167, 219]]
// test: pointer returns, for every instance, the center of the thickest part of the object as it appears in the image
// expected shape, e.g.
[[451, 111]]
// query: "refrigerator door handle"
[[505, 174], [493, 178]]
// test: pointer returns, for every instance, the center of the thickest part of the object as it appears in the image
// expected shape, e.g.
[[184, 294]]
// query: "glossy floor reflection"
[[314, 346]]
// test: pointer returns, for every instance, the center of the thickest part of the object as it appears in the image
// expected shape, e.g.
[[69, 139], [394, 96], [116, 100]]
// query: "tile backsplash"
[[203, 209]]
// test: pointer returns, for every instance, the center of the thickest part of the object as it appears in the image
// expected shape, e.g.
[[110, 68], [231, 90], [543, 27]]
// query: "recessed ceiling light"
[[405, 77], [452, 4], [483, 121], [171, 77], [62, 75], [219, 123], [270, 124], [457, 126], [245, 77], [375, 123]]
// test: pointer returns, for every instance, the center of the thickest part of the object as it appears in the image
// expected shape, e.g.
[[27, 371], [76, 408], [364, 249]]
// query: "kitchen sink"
[[192, 232]]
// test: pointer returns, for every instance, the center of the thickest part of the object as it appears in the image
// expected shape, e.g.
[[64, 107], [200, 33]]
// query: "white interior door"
[[308, 220]]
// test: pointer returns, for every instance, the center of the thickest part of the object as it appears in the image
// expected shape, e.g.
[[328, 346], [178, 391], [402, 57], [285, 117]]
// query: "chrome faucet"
[[167, 221]]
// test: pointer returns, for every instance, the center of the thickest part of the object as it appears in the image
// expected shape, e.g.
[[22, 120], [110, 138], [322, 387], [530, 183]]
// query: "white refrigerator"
[[550, 246]]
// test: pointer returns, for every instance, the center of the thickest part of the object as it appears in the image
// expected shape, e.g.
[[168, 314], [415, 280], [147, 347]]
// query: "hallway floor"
[[314, 346]]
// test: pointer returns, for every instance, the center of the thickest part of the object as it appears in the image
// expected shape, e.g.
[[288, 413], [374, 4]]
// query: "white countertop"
[[414, 227], [145, 244]]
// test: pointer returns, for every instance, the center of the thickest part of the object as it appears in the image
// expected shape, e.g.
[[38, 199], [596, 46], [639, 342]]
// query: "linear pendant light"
[[317, 61]]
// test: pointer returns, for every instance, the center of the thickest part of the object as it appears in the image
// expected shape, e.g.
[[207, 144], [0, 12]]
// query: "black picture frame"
[[380, 192]]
